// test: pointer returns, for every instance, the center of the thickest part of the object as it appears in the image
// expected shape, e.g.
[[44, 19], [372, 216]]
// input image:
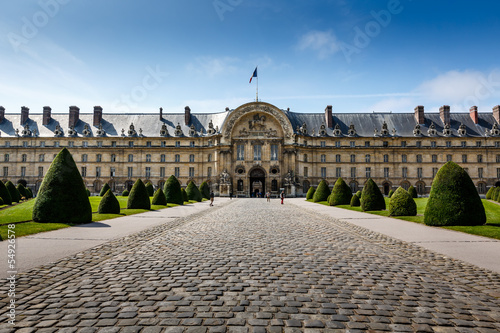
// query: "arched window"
[[354, 186], [274, 185], [240, 185]]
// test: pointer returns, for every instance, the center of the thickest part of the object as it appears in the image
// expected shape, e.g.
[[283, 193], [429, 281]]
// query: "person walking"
[[282, 196], [212, 197], [268, 196]]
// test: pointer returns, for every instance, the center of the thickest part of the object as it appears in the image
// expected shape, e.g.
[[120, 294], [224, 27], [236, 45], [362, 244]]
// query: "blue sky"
[[359, 56]]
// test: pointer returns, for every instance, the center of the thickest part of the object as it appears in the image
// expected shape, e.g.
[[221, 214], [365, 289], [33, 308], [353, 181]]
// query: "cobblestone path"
[[252, 266]]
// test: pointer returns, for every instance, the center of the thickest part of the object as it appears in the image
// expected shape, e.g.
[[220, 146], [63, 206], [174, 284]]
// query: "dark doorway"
[[257, 182], [387, 188]]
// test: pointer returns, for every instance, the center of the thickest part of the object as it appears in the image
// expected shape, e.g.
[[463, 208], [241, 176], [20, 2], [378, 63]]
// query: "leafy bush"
[[150, 189], [138, 197], [173, 192], [14, 193], [371, 197], [355, 201], [453, 199], [205, 190], [54, 202], [413, 191], [310, 193], [490, 192], [193, 193], [341, 194], [104, 190], [184, 195], [29, 192], [125, 193], [5, 194], [88, 192], [109, 204], [359, 194], [322, 192], [496, 195], [159, 198], [391, 192], [402, 204], [22, 191]]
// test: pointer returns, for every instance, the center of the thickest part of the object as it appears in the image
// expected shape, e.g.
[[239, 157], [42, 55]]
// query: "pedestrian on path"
[[212, 196], [282, 196], [268, 196]]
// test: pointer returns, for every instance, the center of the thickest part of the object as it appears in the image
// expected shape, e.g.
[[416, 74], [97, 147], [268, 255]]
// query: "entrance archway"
[[387, 188], [257, 182]]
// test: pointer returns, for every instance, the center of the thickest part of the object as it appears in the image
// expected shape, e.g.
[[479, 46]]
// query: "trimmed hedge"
[[391, 192], [490, 192], [5, 194], [205, 190], [29, 192], [359, 194], [172, 191], [454, 199], [14, 193], [88, 192], [412, 191], [496, 195], [109, 204], [125, 193], [150, 189], [322, 192], [193, 192], [310, 193], [371, 197], [104, 189], [355, 201], [402, 204], [341, 194], [55, 202], [22, 191], [159, 198], [138, 197], [184, 195]]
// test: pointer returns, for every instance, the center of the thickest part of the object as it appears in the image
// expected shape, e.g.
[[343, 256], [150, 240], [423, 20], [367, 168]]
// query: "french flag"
[[254, 74]]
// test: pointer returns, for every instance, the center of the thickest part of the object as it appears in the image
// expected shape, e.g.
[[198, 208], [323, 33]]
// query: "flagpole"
[[257, 92]]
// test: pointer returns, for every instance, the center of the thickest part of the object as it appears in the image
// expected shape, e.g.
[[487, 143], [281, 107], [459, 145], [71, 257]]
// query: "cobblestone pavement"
[[252, 266]]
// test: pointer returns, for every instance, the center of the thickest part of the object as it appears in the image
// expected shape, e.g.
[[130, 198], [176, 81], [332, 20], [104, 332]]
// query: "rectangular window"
[[113, 144], [403, 158], [24, 158], [192, 144], [130, 158], [113, 158], [464, 158], [353, 172], [353, 144], [162, 158], [353, 158], [163, 144], [99, 144], [191, 172], [209, 158], [71, 144], [6, 157], [323, 144], [385, 144], [130, 172], [257, 152], [403, 144], [98, 158], [448, 158], [7, 144], [112, 172], [177, 144], [367, 144], [23, 172], [40, 172], [386, 158], [305, 142], [41, 158], [433, 144], [84, 171], [274, 152], [419, 144], [240, 152], [42, 144], [25, 144], [434, 172], [498, 159], [305, 157], [177, 172], [84, 158], [131, 144], [162, 172], [306, 172], [6, 171], [419, 172], [148, 157], [209, 172], [404, 172], [368, 172], [85, 144], [323, 158], [480, 172], [323, 173], [338, 172], [338, 144], [148, 172], [464, 144], [98, 172], [367, 158], [478, 144], [191, 158], [419, 158], [386, 172], [434, 158], [177, 158], [498, 173], [337, 158], [448, 144], [479, 158], [148, 144]]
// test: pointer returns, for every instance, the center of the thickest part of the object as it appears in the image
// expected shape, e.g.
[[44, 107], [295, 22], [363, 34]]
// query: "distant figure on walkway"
[[268, 196], [282, 196], [231, 195], [212, 196]]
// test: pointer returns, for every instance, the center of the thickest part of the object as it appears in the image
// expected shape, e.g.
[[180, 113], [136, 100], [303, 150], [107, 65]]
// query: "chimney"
[[496, 113], [97, 115], [474, 115], [2, 114], [187, 115], [419, 115], [444, 114], [161, 113], [25, 113], [328, 116], [74, 116], [46, 115]]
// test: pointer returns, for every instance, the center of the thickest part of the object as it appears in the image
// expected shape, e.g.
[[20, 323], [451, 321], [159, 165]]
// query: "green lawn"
[[491, 229], [22, 213]]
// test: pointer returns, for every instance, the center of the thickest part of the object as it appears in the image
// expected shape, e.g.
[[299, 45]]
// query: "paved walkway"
[[251, 266]]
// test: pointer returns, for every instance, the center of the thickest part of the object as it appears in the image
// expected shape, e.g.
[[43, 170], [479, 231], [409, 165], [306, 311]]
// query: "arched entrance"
[[387, 188], [257, 182]]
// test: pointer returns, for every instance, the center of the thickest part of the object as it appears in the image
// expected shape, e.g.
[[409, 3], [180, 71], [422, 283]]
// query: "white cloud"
[[211, 67], [323, 42]]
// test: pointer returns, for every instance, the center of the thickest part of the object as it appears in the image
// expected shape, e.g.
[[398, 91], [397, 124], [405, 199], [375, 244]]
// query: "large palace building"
[[254, 148]]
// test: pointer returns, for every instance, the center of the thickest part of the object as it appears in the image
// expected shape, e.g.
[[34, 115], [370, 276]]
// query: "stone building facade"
[[254, 148]]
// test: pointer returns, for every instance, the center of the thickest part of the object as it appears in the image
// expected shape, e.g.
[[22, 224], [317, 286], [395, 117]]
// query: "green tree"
[[138, 197], [310, 193], [490, 192], [14, 193], [22, 191], [104, 189], [172, 191], [205, 190], [184, 195], [159, 198], [109, 204], [391, 193], [5, 194], [125, 193], [402, 204], [371, 197], [413, 191], [355, 201], [29, 192], [454, 199], [54, 202], [150, 189], [341, 194], [322, 192], [193, 192]]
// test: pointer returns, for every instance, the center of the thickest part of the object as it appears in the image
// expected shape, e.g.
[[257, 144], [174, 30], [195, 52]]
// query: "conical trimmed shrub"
[[341, 194], [88, 192], [391, 193], [371, 197], [359, 194], [490, 192], [184, 195], [172, 191], [310, 193], [402, 204], [22, 191], [454, 199], [150, 189], [29, 192], [412, 191], [5, 194], [55, 203], [159, 198], [125, 193], [109, 204], [193, 192], [355, 201], [496, 195], [205, 190], [138, 197], [14, 193], [322, 192], [104, 190]]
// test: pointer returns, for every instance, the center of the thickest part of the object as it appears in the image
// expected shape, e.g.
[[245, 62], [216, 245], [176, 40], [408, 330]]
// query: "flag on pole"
[[253, 75]]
